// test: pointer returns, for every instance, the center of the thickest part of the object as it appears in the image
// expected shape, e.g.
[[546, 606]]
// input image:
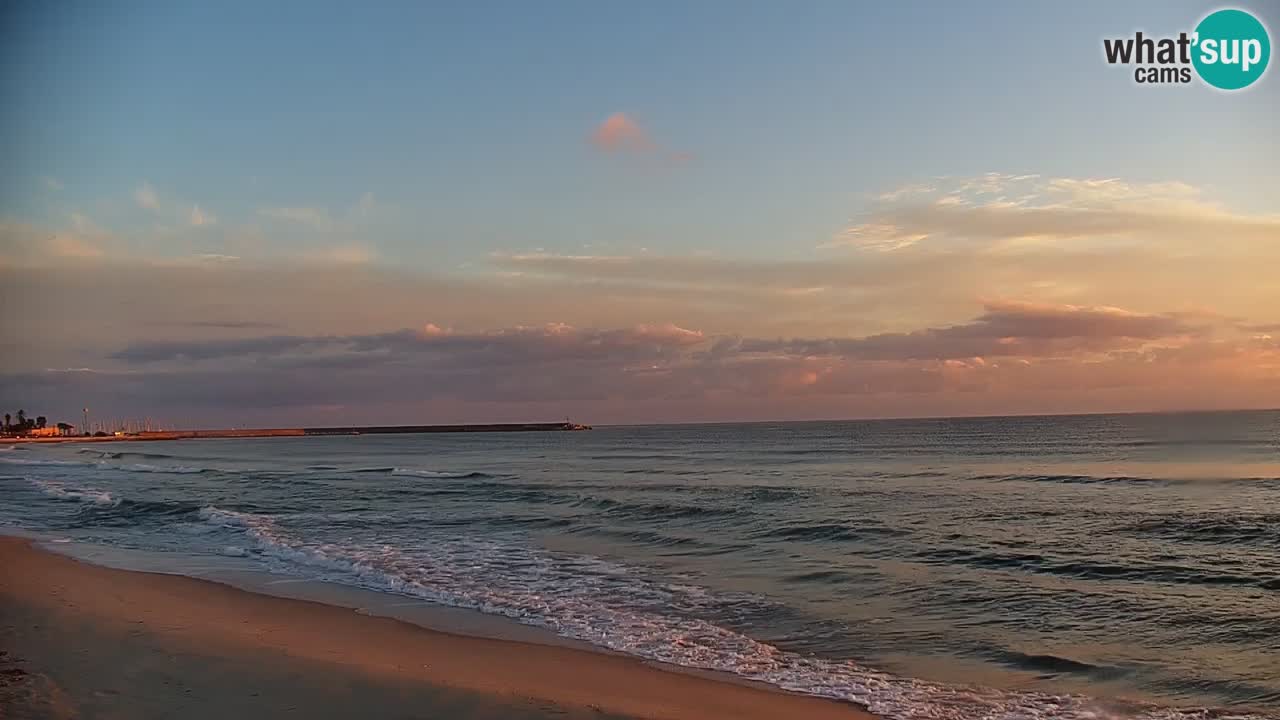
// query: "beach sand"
[[84, 641]]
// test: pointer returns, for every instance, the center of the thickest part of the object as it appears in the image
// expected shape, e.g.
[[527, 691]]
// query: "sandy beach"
[[83, 641]]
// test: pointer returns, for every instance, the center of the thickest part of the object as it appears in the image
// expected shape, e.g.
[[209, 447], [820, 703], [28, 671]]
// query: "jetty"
[[565, 426]]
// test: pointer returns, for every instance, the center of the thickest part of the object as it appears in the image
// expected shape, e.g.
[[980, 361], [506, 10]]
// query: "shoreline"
[[211, 622]]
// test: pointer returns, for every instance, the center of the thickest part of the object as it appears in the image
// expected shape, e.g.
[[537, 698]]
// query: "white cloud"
[[72, 246], [321, 219], [23, 244], [1010, 210], [52, 184], [315, 218], [200, 218], [906, 191], [146, 197], [348, 254], [877, 236], [191, 214], [203, 260], [83, 225]]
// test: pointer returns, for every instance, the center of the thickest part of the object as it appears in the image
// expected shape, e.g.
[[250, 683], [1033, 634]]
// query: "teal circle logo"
[[1232, 49]]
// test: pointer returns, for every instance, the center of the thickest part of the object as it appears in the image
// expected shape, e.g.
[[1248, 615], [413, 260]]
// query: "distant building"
[[44, 432]]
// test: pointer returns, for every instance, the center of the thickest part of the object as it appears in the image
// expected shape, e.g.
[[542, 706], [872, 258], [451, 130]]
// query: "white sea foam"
[[171, 469], [435, 474], [616, 607], [78, 494], [34, 461], [102, 463]]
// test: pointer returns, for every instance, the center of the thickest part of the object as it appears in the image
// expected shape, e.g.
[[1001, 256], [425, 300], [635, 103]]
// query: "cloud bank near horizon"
[[994, 294], [1013, 357]]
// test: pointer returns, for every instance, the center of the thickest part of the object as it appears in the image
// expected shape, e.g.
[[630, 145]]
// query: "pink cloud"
[[619, 133]]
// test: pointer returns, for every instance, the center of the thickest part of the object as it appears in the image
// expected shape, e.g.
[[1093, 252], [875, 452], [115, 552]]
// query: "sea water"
[[1109, 566]]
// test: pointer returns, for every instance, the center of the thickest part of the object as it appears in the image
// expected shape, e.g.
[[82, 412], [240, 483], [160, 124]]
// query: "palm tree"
[[6, 422], [41, 421], [22, 419]]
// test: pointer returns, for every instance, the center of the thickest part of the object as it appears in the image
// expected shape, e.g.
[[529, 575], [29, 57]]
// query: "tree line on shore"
[[27, 425]]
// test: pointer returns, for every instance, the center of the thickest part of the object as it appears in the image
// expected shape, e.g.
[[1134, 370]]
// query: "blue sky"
[[472, 118], [726, 167]]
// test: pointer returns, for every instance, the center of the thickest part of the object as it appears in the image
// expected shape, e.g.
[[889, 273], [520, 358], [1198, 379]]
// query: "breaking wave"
[[620, 608], [60, 491]]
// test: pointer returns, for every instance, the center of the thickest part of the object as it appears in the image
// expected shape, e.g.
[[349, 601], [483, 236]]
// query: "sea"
[[1100, 566]]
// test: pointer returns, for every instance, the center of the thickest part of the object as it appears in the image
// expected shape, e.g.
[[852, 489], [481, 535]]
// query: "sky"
[[317, 213]]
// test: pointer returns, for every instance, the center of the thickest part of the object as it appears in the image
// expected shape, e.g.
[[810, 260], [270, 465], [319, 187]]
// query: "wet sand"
[[83, 641]]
